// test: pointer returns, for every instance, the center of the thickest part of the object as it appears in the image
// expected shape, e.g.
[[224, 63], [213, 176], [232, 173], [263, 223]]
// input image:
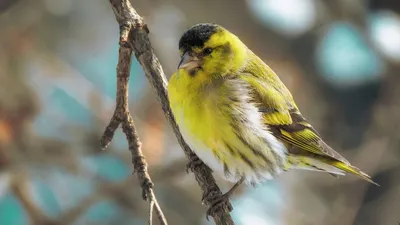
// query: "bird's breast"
[[198, 128], [227, 133]]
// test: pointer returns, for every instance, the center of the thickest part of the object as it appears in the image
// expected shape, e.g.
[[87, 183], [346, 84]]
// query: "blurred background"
[[340, 59]]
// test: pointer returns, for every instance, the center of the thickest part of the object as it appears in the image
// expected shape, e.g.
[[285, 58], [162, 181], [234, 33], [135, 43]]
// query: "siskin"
[[238, 116]]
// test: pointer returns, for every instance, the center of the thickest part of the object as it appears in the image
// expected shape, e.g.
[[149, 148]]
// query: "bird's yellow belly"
[[209, 133], [203, 132]]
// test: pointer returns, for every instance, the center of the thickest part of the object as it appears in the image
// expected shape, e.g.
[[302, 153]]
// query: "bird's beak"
[[188, 62]]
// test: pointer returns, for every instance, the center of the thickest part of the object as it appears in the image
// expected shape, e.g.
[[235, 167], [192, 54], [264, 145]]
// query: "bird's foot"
[[193, 163], [218, 202]]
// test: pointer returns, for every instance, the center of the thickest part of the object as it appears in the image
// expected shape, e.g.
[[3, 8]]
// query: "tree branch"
[[122, 115], [134, 36]]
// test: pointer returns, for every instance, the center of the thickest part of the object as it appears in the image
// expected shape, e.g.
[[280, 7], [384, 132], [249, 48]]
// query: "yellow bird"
[[238, 116]]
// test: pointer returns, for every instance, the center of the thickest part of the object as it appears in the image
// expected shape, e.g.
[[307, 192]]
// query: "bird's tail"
[[353, 170], [328, 165]]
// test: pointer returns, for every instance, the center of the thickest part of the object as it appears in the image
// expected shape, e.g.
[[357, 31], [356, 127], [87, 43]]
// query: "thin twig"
[[151, 213], [134, 35], [121, 113], [159, 213]]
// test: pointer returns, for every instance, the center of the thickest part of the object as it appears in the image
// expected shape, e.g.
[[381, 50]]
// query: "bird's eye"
[[207, 51]]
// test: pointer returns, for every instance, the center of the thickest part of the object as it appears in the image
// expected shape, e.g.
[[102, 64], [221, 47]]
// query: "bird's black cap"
[[197, 35]]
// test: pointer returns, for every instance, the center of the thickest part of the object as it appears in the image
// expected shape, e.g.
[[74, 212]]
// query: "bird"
[[238, 117]]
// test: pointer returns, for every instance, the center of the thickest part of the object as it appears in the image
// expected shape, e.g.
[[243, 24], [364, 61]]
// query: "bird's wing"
[[284, 119]]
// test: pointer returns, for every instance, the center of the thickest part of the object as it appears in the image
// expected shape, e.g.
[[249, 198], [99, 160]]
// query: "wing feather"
[[284, 119]]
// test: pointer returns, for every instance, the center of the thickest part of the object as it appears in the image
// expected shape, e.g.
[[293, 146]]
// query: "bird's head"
[[210, 50]]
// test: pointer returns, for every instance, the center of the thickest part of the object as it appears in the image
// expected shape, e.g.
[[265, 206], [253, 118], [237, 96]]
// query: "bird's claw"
[[195, 161], [209, 196], [217, 203], [220, 201]]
